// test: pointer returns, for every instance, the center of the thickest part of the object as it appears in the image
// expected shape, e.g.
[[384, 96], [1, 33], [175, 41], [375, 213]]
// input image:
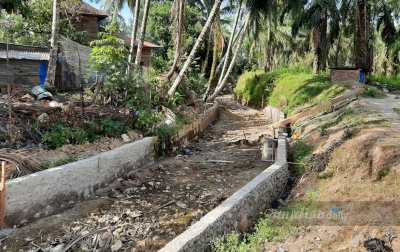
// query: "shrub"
[[61, 134], [251, 86], [300, 151]]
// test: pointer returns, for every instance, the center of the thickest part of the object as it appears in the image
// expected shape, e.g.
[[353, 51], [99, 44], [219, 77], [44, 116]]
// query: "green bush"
[[112, 128], [393, 82], [373, 92], [61, 134], [251, 86], [300, 151]]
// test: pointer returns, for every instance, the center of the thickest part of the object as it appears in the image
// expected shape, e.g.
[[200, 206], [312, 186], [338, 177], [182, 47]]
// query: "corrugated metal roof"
[[13, 54]]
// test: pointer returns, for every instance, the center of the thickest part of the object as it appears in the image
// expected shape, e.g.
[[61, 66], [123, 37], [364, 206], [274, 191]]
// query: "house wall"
[[89, 24], [146, 56], [25, 72], [345, 75]]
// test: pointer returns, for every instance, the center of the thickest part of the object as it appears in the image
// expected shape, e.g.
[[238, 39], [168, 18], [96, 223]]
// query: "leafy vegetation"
[[299, 152], [61, 133], [294, 92], [373, 92], [392, 81], [268, 229], [253, 86]]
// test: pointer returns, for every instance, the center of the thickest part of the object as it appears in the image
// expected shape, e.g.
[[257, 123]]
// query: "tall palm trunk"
[[237, 50], [55, 28], [216, 71], [142, 32], [319, 35], [213, 67], [205, 63], [228, 50], [195, 48], [178, 41], [133, 35], [363, 49]]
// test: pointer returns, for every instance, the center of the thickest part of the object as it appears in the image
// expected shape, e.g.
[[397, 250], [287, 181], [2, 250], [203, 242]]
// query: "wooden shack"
[[146, 52], [89, 18], [24, 64]]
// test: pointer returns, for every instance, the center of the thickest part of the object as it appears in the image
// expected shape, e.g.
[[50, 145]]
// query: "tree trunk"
[[133, 35], [363, 49], [55, 28], [178, 42], [213, 67], [225, 78], [142, 33], [228, 50], [205, 63], [318, 37], [338, 50], [195, 48]]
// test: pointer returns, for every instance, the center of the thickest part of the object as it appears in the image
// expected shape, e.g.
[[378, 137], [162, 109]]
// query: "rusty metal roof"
[[13, 54]]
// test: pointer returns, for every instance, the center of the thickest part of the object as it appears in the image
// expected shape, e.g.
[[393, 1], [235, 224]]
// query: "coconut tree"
[[133, 35], [142, 32], [55, 32], [256, 10], [195, 48], [177, 12], [232, 63]]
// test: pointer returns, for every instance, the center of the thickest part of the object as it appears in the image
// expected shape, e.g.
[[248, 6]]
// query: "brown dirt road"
[[149, 207]]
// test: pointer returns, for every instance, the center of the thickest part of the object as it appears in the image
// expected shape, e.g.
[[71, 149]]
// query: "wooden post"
[[317, 108], [262, 102], [3, 194]]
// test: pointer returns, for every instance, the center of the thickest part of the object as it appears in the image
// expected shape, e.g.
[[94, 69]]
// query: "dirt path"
[[361, 181], [383, 107], [149, 207]]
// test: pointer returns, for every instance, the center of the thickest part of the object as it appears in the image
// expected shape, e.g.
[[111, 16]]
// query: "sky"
[[125, 12]]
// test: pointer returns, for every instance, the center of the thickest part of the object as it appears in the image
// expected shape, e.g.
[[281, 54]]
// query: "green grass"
[[373, 92], [393, 82], [64, 161], [304, 91], [268, 229]]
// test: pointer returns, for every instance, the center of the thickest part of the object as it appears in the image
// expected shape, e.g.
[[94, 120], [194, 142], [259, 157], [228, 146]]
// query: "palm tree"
[[363, 34], [195, 48], [257, 10], [218, 47], [133, 35], [55, 30], [142, 32], [314, 15], [232, 63], [228, 50], [178, 10]]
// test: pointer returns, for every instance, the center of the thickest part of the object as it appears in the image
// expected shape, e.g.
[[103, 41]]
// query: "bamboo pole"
[[317, 108], [3, 194]]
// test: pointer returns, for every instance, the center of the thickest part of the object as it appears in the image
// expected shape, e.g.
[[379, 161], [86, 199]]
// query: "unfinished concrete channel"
[[126, 200]]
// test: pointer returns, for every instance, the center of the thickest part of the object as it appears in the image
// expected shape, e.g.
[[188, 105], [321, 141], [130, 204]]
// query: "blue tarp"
[[362, 77], [43, 72]]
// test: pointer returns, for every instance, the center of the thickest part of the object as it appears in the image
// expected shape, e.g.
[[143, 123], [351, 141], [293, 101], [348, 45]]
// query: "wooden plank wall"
[[25, 72], [89, 24]]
